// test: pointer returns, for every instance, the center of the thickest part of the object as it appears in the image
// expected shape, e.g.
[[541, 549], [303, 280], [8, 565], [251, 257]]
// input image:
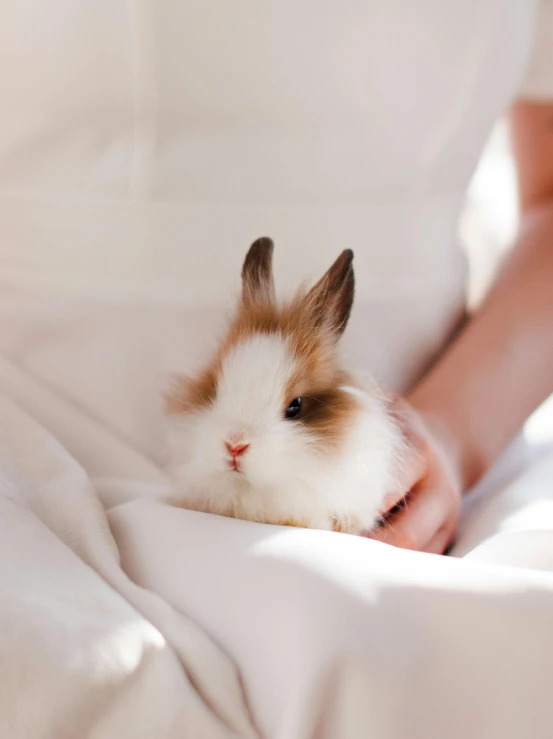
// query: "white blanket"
[[179, 624], [84, 652]]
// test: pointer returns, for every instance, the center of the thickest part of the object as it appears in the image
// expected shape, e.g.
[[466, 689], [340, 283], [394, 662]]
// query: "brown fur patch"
[[327, 413], [189, 394]]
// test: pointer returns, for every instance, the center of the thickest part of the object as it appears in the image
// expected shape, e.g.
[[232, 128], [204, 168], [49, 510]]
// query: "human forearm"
[[464, 412], [501, 366]]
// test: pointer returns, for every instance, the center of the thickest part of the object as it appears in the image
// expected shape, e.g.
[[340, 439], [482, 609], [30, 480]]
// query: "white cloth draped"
[[174, 623]]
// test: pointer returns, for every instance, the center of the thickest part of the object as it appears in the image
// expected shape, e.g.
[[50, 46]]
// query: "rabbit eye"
[[294, 408]]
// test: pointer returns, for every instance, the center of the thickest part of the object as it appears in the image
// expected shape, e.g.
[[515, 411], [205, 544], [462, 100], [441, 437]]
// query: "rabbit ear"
[[257, 273], [330, 301]]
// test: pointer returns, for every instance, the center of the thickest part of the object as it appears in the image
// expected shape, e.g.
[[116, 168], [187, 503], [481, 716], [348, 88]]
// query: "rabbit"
[[273, 429]]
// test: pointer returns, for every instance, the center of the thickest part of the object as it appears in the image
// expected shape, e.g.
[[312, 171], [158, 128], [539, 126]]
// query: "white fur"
[[288, 476]]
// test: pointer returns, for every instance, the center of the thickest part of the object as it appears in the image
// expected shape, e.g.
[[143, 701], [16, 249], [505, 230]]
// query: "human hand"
[[423, 512]]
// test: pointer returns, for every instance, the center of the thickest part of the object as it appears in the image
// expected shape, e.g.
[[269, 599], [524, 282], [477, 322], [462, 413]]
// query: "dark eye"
[[294, 408]]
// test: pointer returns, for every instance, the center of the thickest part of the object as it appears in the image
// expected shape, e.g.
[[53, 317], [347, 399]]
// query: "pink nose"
[[236, 450]]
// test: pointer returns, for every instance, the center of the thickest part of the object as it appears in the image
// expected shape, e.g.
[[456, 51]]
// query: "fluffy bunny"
[[274, 429]]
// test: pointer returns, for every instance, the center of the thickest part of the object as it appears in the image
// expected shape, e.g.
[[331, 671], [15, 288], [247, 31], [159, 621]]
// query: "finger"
[[444, 537], [415, 525], [392, 499], [411, 465], [411, 469], [406, 417]]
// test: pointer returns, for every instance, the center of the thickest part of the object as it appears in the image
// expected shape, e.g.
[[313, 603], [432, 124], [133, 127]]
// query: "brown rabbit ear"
[[257, 273], [330, 301]]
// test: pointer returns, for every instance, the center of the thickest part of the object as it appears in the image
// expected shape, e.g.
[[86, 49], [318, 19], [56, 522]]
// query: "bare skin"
[[465, 411]]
